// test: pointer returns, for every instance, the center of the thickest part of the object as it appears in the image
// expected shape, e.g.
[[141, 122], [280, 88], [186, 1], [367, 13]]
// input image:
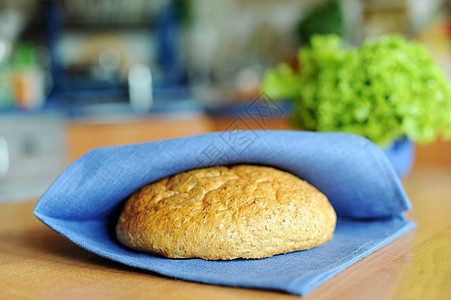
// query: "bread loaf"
[[223, 213]]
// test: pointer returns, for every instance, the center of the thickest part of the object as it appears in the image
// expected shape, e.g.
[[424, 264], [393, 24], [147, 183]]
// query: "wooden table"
[[37, 263]]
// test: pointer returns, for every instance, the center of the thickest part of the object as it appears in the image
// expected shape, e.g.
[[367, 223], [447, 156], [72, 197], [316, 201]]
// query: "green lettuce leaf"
[[386, 89]]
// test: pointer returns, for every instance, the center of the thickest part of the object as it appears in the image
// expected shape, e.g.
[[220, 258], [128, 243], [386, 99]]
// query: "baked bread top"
[[222, 213]]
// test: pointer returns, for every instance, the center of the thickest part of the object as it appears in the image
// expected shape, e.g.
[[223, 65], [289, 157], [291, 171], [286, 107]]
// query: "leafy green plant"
[[324, 18], [386, 89]]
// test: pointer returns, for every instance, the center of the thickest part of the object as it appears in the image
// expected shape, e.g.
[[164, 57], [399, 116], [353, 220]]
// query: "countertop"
[[37, 263]]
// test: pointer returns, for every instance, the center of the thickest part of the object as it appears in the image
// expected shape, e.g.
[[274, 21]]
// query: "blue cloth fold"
[[354, 174]]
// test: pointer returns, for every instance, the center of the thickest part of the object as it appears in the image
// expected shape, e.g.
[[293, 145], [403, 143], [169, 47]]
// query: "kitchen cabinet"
[[435, 154], [33, 154], [84, 135], [35, 149]]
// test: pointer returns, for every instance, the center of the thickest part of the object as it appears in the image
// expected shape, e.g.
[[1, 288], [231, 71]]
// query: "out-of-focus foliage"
[[387, 89], [325, 18]]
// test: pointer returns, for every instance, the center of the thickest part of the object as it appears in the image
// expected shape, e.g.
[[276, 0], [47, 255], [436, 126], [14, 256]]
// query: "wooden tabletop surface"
[[37, 263]]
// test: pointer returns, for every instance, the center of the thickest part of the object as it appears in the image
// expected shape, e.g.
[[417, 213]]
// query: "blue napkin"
[[84, 201]]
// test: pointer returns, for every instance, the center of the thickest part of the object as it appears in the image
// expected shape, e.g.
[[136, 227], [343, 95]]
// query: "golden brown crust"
[[222, 213]]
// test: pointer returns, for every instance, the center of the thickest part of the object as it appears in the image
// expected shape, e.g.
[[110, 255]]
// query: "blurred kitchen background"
[[79, 74]]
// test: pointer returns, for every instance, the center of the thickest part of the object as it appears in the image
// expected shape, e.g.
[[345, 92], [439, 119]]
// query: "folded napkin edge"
[[291, 288], [306, 289]]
